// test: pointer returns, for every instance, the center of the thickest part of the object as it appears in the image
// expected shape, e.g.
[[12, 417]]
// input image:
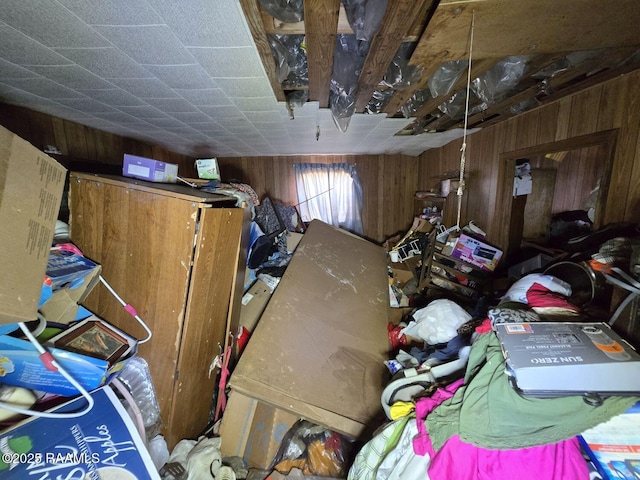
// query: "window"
[[331, 193]]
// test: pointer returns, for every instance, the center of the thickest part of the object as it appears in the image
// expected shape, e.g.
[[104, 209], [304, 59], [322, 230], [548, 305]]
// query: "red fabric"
[[540, 296]]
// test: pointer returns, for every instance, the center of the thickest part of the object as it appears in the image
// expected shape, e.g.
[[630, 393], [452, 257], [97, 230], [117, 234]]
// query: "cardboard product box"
[[614, 446], [319, 348], [569, 358], [476, 252], [72, 279], [103, 443], [31, 187], [149, 169], [254, 302], [20, 365], [207, 168], [253, 430]]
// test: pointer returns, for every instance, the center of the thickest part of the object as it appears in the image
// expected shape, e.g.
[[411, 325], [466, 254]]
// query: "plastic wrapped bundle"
[[288, 11], [503, 77], [347, 64], [365, 16], [443, 80]]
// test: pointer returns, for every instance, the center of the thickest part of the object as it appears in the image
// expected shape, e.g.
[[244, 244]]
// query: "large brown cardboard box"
[[31, 186], [253, 430], [319, 348]]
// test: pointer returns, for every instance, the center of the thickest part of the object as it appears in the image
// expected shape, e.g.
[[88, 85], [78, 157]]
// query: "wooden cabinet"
[[177, 255]]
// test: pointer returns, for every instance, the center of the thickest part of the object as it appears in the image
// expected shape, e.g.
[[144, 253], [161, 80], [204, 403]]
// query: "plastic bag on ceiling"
[[289, 53], [347, 64], [505, 75], [365, 16], [400, 74], [412, 105], [443, 80], [288, 11], [379, 98]]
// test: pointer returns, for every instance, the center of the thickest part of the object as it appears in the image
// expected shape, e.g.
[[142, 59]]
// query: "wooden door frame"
[[507, 164]]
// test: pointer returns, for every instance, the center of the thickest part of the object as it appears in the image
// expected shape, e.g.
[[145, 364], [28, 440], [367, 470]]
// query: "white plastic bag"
[[438, 322]]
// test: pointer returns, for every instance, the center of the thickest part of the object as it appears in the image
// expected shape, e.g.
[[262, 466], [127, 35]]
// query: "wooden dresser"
[[177, 255]]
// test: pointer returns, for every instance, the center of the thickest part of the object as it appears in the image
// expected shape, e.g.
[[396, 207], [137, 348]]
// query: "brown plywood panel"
[[519, 27], [537, 211], [320, 344], [206, 317], [321, 21]]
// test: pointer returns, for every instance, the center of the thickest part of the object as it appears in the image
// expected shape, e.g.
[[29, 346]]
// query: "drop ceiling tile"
[[147, 88], [48, 24], [145, 112], [209, 97], [115, 97], [172, 105], [44, 87], [72, 76], [129, 12], [258, 104], [245, 87], [10, 71], [222, 112], [229, 62], [182, 76], [166, 122], [86, 105], [191, 117], [205, 23], [148, 44], [108, 62], [119, 118], [18, 48]]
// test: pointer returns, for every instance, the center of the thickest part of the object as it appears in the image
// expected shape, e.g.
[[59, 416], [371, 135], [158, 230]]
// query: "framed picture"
[[94, 339]]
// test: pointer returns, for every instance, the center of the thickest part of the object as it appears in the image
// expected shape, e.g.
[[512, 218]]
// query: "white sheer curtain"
[[331, 193]]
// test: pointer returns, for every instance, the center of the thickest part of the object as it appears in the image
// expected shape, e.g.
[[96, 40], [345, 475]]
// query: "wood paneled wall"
[[613, 107], [84, 145], [388, 182]]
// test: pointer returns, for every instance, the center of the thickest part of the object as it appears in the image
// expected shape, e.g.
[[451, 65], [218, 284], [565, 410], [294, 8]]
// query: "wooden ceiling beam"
[[254, 20], [321, 24], [397, 21]]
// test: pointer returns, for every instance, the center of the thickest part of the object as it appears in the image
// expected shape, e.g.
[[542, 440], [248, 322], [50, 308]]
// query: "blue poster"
[[103, 444]]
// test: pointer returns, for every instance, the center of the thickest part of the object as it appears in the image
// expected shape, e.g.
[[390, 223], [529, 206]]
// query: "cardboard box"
[[476, 252], [103, 443], [449, 185], [207, 168], [254, 302], [569, 358], [20, 365], [319, 348], [149, 169], [614, 446], [31, 186], [253, 430], [72, 279]]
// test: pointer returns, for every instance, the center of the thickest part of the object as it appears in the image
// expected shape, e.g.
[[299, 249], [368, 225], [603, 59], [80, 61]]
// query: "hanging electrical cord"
[[463, 149], [130, 310], [51, 364]]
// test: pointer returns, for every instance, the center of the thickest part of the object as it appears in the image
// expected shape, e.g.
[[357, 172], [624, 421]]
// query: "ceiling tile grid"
[[184, 75]]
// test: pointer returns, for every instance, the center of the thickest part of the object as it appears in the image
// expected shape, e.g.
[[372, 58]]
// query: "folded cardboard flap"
[[72, 279], [253, 430], [31, 186]]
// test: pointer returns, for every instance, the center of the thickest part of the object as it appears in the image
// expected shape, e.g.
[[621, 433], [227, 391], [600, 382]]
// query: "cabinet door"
[[145, 243], [206, 327]]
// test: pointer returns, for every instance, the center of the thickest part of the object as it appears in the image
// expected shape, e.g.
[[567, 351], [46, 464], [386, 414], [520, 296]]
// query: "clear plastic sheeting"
[[412, 105], [379, 100], [400, 74], [443, 80], [365, 16], [289, 52], [493, 85], [456, 105], [288, 11], [347, 65]]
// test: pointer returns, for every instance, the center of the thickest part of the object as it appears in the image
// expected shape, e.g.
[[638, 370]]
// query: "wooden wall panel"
[[81, 144], [611, 105]]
